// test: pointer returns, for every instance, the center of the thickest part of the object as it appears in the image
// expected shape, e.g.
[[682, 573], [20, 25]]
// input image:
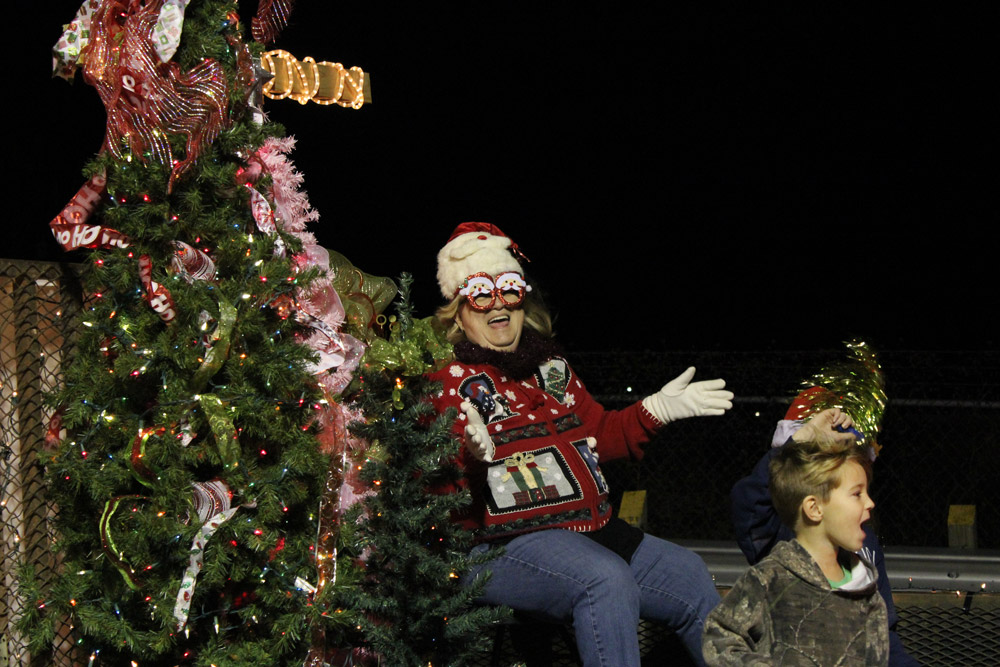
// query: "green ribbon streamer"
[[222, 428], [108, 543], [144, 475], [219, 351]]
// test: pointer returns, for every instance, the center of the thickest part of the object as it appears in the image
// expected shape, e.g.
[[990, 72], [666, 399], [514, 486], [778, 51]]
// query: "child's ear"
[[812, 509]]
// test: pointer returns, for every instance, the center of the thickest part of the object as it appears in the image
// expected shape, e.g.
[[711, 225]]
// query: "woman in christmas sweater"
[[533, 436]]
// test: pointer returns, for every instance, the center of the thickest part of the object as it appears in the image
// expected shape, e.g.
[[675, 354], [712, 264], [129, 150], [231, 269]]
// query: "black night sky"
[[713, 176]]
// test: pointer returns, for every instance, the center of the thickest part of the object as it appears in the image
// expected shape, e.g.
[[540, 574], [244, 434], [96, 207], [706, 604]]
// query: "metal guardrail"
[[928, 569], [913, 569]]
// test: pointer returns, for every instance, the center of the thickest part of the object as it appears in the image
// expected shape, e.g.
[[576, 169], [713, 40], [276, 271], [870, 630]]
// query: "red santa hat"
[[472, 248], [810, 401]]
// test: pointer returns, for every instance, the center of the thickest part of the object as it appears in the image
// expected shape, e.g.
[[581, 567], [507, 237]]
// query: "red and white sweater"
[[548, 432]]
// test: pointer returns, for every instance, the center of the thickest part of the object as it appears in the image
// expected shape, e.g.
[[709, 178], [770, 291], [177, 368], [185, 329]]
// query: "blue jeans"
[[562, 575]]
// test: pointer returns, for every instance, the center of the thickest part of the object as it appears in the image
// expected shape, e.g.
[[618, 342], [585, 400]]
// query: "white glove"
[[477, 438], [680, 398]]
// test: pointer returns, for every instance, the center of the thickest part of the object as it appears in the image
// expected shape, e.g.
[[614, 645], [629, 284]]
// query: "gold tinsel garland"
[[855, 385]]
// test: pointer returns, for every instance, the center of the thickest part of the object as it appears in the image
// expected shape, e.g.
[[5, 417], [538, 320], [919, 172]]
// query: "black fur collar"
[[521, 364]]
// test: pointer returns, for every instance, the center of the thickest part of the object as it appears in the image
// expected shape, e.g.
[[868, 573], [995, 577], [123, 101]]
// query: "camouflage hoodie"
[[783, 611]]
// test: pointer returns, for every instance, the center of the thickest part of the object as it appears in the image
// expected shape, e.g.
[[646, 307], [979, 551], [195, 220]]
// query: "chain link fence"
[[939, 436], [37, 301]]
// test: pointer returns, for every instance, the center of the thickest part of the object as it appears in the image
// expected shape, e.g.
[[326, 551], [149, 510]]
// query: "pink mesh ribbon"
[[319, 306], [343, 489], [321, 309]]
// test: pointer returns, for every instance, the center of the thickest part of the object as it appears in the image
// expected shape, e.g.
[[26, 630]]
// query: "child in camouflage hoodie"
[[813, 600]]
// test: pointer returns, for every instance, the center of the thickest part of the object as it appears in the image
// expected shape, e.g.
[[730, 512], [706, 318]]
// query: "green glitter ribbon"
[[108, 543], [363, 296], [222, 428], [219, 351], [415, 350], [139, 470]]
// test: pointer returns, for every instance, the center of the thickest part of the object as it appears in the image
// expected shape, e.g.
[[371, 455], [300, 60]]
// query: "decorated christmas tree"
[[189, 483]]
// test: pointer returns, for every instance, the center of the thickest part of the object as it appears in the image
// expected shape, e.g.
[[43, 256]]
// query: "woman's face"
[[496, 329]]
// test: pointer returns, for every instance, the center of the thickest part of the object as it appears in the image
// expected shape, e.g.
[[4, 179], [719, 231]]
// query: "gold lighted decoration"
[[307, 80]]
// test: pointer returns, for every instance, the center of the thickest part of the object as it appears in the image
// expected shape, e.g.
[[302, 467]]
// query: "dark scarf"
[[521, 364]]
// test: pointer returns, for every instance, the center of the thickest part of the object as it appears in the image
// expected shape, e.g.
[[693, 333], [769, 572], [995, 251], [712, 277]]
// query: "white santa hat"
[[475, 247]]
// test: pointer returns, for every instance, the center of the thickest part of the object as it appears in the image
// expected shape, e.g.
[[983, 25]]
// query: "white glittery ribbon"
[[264, 216], [212, 504], [167, 32], [166, 36]]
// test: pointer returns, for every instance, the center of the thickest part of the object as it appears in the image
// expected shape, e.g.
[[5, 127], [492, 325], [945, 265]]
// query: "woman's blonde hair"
[[809, 468], [536, 317]]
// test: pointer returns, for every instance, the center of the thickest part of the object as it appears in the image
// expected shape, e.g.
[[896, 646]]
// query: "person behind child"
[[533, 437], [814, 600]]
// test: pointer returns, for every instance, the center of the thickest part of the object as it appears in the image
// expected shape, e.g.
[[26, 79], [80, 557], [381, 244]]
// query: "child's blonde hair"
[[809, 468]]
